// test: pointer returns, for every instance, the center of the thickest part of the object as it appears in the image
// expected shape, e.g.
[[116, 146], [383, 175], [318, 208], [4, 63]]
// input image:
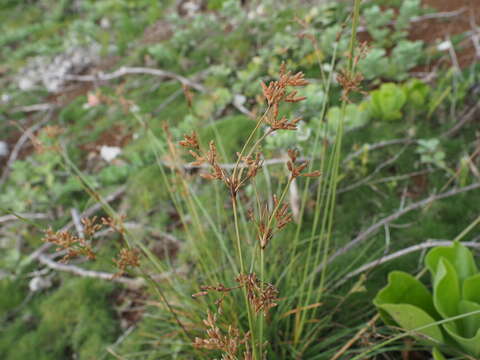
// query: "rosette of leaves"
[[387, 102], [447, 319]]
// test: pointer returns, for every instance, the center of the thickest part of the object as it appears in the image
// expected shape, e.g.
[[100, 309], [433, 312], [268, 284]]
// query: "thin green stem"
[[242, 270], [247, 143]]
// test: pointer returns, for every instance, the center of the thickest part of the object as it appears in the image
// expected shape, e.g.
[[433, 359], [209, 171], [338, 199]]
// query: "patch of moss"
[[76, 321]]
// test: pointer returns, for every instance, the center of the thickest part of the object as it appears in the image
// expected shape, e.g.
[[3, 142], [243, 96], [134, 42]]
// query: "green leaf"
[[471, 288], [403, 288], [470, 324], [417, 93], [458, 255], [470, 345], [437, 355], [446, 289], [410, 317], [387, 102]]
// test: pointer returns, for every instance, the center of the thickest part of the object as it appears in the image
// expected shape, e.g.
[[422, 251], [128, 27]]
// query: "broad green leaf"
[[410, 317], [458, 255], [470, 324], [446, 289], [469, 345], [437, 355], [471, 288], [387, 102], [403, 288]]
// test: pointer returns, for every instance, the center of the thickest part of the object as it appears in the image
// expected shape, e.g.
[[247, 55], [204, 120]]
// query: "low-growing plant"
[[431, 152], [387, 102], [448, 318]]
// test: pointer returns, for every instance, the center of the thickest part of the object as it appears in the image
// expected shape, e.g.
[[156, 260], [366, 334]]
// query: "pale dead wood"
[[29, 216], [87, 213], [372, 229], [130, 282], [425, 245], [124, 70], [18, 146]]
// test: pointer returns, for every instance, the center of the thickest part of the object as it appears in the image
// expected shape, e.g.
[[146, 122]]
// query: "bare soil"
[[441, 29]]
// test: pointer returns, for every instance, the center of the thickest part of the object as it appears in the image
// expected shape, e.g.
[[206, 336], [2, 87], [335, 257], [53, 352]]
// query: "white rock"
[[445, 45], [39, 283], [6, 98], [108, 153], [3, 148]]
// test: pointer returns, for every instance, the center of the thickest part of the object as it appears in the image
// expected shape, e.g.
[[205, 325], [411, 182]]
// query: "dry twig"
[[372, 229]]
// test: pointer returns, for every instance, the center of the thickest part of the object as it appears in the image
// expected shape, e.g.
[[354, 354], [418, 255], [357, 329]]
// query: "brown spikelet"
[[261, 296], [74, 245], [190, 141], [116, 224], [188, 94], [296, 170], [282, 216], [126, 258], [229, 342]]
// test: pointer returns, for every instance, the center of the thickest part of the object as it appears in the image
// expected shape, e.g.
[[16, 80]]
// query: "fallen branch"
[[468, 116], [87, 213], [18, 146], [438, 15], [156, 72], [34, 108], [33, 216], [372, 229], [379, 145], [136, 70], [357, 336], [130, 282], [374, 172], [425, 245]]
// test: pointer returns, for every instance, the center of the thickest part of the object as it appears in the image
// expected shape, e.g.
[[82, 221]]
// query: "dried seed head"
[[74, 245], [90, 226], [350, 82], [126, 258], [282, 216], [276, 92], [229, 342], [296, 170], [261, 296], [190, 141], [115, 224], [188, 94]]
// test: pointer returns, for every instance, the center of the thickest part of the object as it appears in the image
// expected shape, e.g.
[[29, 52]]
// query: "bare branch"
[[136, 70], [30, 216], [372, 229], [425, 245], [18, 146], [379, 145], [87, 213], [130, 282], [438, 15], [468, 116]]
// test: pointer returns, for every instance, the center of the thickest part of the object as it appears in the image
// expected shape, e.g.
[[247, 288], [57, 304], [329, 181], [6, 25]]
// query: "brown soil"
[[432, 30]]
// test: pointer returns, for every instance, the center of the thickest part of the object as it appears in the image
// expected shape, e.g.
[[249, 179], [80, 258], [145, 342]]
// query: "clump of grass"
[[246, 243]]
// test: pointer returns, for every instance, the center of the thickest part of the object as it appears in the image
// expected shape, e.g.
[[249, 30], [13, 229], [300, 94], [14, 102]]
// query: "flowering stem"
[[242, 271]]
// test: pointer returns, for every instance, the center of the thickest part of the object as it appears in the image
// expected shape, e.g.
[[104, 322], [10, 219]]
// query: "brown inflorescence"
[[126, 258], [229, 342], [116, 224], [74, 245], [296, 170], [349, 79], [276, 92], [262, 296]]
